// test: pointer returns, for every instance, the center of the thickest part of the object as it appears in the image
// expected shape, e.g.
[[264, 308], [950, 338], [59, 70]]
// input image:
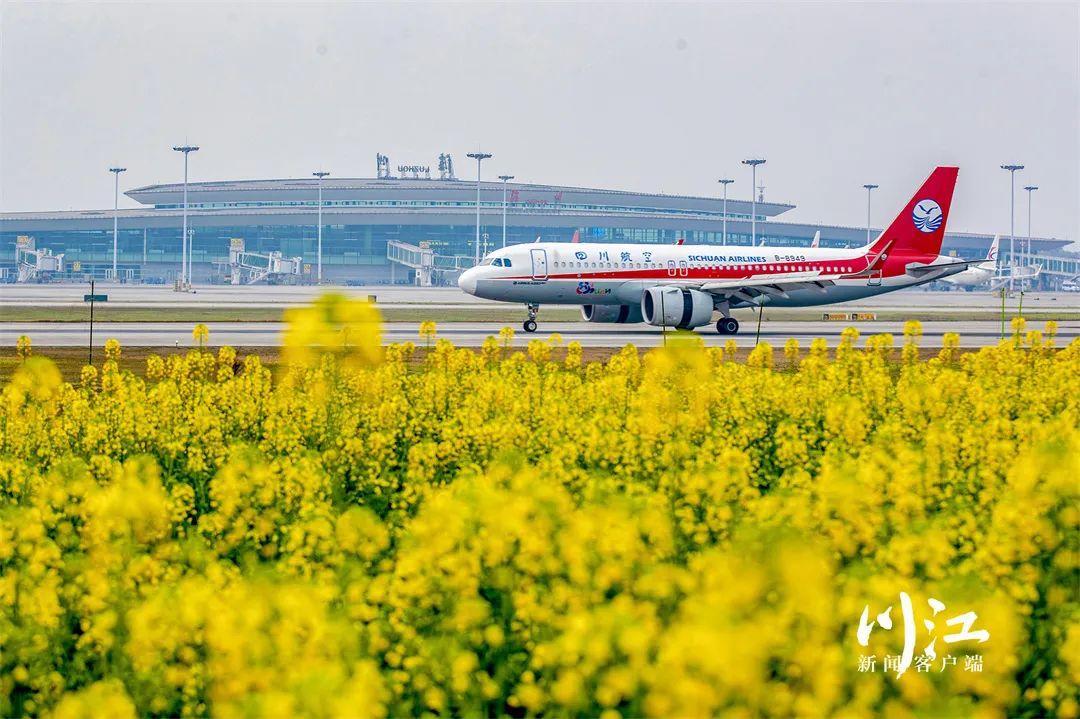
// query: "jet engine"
[[676, 307], [620, 314]]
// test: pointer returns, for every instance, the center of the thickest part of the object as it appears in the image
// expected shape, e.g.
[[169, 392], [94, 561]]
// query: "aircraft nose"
[[467, 281]]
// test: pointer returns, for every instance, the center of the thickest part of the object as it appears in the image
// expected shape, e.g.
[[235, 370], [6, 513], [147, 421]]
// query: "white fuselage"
[[974, 276], [614, 274]]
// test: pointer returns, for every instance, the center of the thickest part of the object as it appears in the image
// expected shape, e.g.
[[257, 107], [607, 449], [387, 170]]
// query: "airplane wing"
[[748, 290], [1028, 272]]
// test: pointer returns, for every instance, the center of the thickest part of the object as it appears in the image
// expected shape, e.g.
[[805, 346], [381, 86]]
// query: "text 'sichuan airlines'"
[[682, 285]]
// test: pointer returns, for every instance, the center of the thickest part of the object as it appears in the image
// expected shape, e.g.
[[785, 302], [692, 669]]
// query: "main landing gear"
[[529, 325], [727, 326]]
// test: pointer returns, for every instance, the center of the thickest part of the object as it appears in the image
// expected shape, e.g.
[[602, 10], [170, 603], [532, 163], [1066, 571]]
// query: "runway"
[[210, 296], [803, 324], [472, 334], [254, 296]]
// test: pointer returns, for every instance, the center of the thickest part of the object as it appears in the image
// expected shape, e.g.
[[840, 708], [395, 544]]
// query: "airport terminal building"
[[373, 230]]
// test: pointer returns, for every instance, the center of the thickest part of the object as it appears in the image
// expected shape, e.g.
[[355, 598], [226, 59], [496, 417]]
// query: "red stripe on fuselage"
[[694, 274]]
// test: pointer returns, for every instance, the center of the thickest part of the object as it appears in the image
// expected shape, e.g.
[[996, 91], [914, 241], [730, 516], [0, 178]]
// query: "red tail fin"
[[920, 226], [577, 236]]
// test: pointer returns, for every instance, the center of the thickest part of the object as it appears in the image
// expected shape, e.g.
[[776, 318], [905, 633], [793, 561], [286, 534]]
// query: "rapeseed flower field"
[[391, 532]]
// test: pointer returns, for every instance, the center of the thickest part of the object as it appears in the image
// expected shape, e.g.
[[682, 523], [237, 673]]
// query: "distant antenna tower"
[[382, 166], [761, 193]]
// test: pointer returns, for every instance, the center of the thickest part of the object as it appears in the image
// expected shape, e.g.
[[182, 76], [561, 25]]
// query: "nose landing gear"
[[529, 325]]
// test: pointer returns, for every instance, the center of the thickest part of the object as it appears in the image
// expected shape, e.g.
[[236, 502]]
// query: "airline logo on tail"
[[919, 228], [927, 215], [991, 256]]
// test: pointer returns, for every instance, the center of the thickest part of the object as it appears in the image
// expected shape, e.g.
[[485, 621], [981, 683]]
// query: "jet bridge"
[[272, 267], [428, 265], [34, 264]]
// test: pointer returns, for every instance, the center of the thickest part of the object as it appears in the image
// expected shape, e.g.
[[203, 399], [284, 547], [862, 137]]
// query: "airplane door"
[[682, 268], [671, 268], [539, 264]]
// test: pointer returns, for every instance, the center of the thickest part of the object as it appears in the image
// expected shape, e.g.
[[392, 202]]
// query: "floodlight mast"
[[753, 198], [1012, 219], [318, 230], [505, 179], [725, 182], [116, 215], [1027, 247], [185, 251], [479, 157], [869, 189]]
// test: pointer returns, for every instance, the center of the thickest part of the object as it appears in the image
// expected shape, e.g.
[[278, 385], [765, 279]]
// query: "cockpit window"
[[498, 262], [506, 262]]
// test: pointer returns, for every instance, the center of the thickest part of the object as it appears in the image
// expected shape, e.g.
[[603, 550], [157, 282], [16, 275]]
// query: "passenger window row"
[[654, 265]]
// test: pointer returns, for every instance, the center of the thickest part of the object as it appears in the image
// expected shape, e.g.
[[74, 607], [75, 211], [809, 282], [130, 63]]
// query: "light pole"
[[505, 179], [116, 214], [725, 182], [869, 189], [184, 250], [318, 230], [1012, 218], [479, 157], [1030, 189], [753, 199]]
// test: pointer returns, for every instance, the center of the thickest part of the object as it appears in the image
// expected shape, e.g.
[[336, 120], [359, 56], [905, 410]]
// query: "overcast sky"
[[651, 97]]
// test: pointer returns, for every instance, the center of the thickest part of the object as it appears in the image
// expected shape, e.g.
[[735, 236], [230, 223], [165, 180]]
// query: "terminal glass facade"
[[152, 251]]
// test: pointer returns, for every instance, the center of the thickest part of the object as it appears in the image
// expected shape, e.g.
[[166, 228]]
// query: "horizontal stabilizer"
[[921, 269]]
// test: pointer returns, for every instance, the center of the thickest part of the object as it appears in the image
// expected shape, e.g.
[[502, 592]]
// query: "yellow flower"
[[761, 356], [506, 334], [427, 331], [334, 325], [662, 533], [22, 347], [112, 350], [791, 351]]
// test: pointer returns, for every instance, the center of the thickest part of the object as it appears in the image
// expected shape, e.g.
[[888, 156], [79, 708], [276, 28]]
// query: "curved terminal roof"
[[240, 193]]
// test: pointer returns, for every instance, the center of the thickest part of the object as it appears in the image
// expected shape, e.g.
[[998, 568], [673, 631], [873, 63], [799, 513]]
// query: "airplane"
[[682, 285], [981, 273]]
